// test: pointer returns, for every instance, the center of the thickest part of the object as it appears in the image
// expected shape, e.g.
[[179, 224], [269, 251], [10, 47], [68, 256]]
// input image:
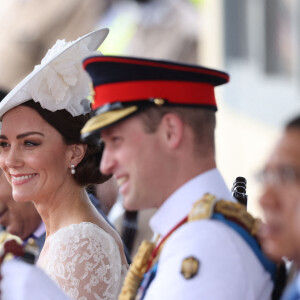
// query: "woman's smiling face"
[[33, 155]]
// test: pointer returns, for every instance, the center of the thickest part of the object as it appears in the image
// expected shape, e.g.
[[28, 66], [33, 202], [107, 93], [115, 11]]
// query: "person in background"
[[105, 195], [45, 161], [280, 201], [132, 225], [157, 121]]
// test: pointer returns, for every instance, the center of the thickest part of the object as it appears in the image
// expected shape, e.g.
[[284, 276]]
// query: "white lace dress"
[[85, 262]]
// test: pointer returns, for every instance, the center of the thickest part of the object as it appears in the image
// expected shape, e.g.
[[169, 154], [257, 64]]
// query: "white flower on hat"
[[60, 81]]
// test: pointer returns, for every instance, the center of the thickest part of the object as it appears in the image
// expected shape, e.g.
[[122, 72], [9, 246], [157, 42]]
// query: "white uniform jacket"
[[228, 268]]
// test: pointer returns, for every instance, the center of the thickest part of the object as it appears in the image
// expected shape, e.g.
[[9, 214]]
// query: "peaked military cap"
[[125, 85]]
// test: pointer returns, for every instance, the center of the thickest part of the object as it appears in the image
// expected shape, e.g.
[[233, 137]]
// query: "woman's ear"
[[172, 129], [77, 153]]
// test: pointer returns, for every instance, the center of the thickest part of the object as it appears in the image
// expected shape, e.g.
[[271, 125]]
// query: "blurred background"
[[255, 41]]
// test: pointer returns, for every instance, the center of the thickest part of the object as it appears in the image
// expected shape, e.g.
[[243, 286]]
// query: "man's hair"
[[293, 123], [202, 121]]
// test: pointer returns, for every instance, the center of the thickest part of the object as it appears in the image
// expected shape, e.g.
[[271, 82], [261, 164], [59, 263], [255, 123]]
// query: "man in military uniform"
[[157, 120]]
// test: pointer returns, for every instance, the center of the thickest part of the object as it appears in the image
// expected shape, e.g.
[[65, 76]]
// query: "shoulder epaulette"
[[205, 207], [235, 216]]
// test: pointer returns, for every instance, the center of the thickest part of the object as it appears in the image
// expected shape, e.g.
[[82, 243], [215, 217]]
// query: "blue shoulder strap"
[[269, 266]]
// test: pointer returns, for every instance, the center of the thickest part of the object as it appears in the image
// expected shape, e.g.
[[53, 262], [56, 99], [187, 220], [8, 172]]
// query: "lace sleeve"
[[85, 262]]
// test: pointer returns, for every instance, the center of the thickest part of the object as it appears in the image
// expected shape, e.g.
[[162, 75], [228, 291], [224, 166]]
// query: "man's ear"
[[172, 129], [77, 153]]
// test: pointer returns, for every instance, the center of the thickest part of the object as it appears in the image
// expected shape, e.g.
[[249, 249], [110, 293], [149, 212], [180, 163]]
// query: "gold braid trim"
[[239, 213], [203, 208], [208, 204], [136, 271]]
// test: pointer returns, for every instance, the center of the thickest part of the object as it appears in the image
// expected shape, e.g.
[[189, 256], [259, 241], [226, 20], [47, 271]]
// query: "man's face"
[[281, 197], [138, 161]]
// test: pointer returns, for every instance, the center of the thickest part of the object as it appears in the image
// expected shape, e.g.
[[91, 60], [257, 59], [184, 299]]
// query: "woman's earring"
[[73, 169]]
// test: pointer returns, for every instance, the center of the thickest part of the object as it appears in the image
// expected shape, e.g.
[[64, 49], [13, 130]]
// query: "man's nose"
[[267, 198], [108, 163]]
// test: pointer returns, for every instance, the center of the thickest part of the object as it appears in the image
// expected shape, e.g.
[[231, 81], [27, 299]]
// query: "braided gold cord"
[[136, 271]]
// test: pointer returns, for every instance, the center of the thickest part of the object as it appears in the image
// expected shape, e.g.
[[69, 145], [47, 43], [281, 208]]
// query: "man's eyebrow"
[[23, 135]]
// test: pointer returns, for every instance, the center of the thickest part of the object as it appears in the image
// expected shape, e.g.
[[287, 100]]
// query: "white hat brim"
[[92, 40]]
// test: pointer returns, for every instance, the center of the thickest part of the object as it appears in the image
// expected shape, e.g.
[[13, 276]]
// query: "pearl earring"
[[73, 169]]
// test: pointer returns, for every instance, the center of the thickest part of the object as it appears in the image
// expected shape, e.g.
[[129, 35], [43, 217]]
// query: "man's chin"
[[274, 250], [128, 204], [131, 205]]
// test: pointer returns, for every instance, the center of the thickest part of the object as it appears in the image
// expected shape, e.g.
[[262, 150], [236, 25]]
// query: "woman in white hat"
[[45, 161]]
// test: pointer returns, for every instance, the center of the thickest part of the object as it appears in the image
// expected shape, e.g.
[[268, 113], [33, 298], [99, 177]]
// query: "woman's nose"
[[12, 157]]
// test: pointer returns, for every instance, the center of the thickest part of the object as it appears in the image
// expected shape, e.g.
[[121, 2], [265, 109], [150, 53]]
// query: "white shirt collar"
[[179, 204]]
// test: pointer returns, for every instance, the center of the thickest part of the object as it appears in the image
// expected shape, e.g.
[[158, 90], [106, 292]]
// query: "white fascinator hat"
[[60, 81]]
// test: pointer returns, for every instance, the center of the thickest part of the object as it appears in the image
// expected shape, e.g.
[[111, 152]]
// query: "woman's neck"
[[62, 209]]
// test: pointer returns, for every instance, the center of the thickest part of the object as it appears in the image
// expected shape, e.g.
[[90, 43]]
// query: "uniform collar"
[[179, 204]]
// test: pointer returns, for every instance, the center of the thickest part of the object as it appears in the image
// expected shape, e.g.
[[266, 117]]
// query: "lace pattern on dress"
[[85, 262]]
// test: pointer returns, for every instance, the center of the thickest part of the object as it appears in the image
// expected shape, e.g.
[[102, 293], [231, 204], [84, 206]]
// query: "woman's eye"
[[30, 143], [3, 144]]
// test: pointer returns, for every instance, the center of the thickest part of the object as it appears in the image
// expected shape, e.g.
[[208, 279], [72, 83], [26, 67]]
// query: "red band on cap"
[[177, 92]]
